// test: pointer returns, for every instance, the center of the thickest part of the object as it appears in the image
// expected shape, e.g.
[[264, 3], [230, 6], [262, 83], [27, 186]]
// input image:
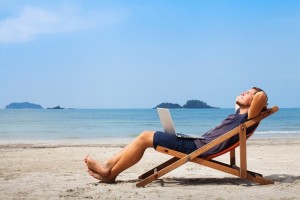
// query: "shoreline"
[[118, 142]]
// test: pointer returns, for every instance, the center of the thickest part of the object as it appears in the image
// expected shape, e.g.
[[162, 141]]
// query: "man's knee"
[[146, 137]]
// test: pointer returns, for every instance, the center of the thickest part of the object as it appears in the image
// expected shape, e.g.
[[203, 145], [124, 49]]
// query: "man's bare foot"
[[99, 171], [94, 174], [96, 167], [105, 179]]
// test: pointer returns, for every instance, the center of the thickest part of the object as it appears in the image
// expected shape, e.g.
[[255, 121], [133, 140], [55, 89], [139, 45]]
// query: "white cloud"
[[34, 21]]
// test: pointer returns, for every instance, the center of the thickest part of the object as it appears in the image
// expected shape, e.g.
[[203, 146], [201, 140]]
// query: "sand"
[[55, 170]]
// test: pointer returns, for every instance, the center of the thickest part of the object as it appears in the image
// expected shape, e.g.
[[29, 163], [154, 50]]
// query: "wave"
[[279, 132]]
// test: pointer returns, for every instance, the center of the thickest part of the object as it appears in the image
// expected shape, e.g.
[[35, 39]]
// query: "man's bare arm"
[[258, 103]]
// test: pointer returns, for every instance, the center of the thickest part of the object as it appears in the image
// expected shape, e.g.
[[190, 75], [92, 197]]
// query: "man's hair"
[[257, 89]]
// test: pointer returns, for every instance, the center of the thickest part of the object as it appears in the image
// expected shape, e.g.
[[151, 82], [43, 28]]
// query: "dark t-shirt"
[[231, 122]]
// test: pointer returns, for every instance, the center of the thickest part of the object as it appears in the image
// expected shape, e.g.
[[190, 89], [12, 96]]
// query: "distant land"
[[23, 105], [27, 105], [56, 107], [189, 104], [193, 104]]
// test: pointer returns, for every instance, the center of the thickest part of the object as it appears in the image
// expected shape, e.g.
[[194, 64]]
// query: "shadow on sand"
[[170, 182], [277, 178]]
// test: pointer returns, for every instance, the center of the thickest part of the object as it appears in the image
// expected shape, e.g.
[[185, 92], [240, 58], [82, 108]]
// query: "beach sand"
[[55, 170]]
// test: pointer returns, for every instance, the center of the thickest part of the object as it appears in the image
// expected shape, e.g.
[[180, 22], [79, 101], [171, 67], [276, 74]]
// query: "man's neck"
[[243, 110]]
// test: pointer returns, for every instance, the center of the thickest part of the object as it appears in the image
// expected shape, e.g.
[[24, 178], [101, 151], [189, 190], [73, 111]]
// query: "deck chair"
[[179, 158]]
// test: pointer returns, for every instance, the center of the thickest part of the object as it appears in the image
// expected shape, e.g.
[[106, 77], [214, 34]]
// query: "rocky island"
[[189, 104], [23, 105], [27, 105], [56, 107], [168, 105]]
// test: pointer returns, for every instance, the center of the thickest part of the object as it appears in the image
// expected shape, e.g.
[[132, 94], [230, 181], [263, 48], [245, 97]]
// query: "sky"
[[138, 54]]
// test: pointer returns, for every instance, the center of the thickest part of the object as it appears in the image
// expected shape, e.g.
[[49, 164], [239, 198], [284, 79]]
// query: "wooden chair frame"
[[179, 158]]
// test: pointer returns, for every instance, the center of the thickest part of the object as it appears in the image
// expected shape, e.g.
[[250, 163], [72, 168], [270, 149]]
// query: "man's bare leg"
[[129, 156]]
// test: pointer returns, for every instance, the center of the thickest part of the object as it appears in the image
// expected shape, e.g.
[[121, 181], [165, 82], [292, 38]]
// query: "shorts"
[[171, 141]]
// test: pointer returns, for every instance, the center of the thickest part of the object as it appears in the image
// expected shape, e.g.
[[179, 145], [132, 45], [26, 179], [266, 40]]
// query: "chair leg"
[[232, 157], [158, 168], [165, 170], [243, 153]]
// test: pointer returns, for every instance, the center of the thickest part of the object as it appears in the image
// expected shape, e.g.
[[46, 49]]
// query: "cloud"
[[34, 21]]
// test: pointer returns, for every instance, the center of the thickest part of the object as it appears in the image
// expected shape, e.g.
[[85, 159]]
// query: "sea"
[[86, 124]]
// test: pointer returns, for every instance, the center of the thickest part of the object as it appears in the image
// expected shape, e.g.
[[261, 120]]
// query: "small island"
[[168, 105], [23, 105], [28, 105], [189, 104], [56, 107]]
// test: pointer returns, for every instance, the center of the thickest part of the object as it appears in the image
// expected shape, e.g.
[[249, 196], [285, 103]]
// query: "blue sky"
[[137, 54]]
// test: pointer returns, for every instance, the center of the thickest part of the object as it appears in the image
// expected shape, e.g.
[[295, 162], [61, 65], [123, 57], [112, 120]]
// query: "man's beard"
[[239, 104]]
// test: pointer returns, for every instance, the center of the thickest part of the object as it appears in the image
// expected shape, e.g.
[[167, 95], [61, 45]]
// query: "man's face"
[[245, 98]]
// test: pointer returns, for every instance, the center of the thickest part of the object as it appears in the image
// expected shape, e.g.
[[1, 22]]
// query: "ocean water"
[[84, 124]]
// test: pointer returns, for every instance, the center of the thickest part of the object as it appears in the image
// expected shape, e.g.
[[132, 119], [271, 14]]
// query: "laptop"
[[168, 125]]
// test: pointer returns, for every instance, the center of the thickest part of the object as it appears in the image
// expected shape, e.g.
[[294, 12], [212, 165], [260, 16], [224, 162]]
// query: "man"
[[248, 105]]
